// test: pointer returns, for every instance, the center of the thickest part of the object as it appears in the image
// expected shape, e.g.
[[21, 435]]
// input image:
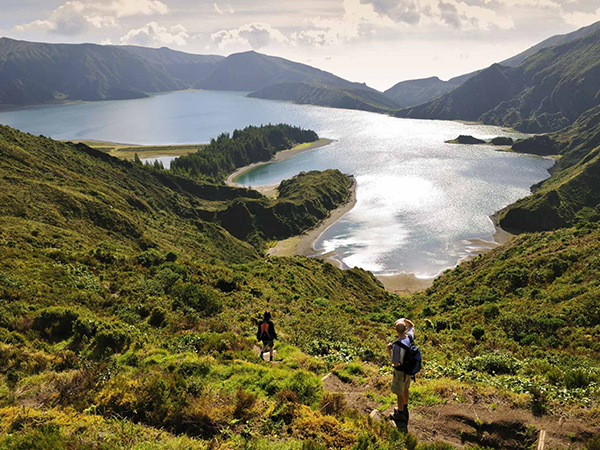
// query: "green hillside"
[[573, 192], [119, 300], [128, 313], [546, 92], [323, 95]]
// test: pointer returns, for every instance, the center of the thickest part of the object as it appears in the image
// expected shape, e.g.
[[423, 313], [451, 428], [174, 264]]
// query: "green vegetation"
[[302, 202], [252, 144], [572, 194], [128, 316]]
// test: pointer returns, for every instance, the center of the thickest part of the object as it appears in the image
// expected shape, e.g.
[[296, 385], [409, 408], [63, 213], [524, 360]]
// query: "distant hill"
[[332, 96], [37, 73], [546, 92], [186, 67], [416, 92], [251, 71], [32, 73], [276, 78]]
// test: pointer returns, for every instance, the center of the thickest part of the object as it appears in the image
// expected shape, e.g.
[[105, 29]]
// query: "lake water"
[[419, 200]]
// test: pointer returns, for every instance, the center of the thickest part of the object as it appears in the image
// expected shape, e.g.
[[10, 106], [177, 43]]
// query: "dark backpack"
[[264, 332], [411, 364]]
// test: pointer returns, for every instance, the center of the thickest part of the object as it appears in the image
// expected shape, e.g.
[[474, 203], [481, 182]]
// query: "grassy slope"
[[573, 191], [111, 329], [100, 315]]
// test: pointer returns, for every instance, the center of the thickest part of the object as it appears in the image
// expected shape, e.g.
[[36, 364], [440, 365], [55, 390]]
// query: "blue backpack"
[[411, 365]]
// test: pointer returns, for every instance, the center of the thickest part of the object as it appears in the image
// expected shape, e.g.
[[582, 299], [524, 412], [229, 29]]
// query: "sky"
[[380, 42]]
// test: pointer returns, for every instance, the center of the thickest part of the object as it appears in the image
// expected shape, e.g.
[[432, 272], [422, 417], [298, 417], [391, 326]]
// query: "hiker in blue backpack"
[[406, 358], [266, 333]]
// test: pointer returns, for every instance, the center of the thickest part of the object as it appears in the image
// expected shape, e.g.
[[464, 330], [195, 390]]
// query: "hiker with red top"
[[406, 359], [266, 333]]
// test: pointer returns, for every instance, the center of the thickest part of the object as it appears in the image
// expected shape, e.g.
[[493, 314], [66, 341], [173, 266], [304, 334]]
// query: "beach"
[[304, 244]]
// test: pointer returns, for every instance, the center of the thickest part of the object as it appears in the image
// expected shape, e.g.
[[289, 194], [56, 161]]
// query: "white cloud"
[[398, 10], [78, 17], [155, 35], [449, 14], [106, 41], [582, 19], [220, 10], [257, 35]]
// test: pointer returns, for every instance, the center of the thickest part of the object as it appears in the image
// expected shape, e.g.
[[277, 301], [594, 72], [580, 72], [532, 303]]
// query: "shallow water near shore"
[[419, 200]]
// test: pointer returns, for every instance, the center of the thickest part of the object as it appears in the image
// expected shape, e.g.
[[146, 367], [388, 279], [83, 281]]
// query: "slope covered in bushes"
[[128, 317], [573, 192]]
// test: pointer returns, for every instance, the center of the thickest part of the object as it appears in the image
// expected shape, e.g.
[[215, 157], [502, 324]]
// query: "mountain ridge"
[[415, 92], [546, 92]]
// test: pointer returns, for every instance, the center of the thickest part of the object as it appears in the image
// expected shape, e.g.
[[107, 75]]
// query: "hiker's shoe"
[[271, 358], [406, 414], [397, 415]]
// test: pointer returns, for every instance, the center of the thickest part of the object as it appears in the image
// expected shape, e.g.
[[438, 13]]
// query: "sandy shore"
[[271, 189], [408, 283], [304, 243]]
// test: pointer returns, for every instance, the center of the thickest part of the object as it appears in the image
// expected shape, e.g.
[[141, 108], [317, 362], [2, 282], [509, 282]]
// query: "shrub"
[[306, 386], [484, 295], [199, 298], [428, 311], [539, 401], [46, 437], [166, 278], [478, 331], [171, 257], [491, 311], [110, 338], [55, 324], [494, 364], [333, 404], [157, 316], [244, 402], [442, 324], [578, 378], [515, 277], [150, 257]]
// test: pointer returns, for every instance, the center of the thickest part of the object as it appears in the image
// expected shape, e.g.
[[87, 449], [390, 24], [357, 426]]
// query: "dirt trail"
[[462, 424]]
